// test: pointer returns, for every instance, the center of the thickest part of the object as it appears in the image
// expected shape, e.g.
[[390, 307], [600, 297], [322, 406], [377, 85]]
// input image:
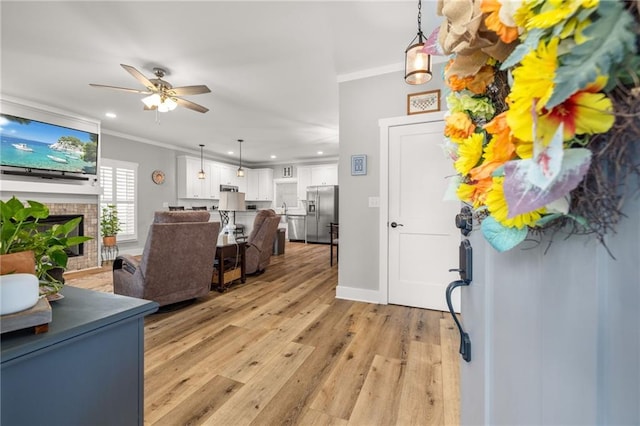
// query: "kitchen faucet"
[[284, 207]]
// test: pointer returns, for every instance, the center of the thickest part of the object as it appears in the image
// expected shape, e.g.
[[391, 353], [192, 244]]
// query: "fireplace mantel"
[[13, 186]]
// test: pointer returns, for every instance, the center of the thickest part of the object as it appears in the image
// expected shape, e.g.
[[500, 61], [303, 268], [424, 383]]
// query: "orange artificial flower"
[[481, 80], [476, 83], [474, 192], [500, 149], [492, 8], [458, 126]]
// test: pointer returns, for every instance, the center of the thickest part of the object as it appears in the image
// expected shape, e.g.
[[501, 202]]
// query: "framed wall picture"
[[418, 103], [358, 165]]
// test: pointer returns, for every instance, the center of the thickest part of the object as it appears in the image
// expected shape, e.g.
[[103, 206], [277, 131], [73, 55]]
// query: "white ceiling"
[[273, 67]]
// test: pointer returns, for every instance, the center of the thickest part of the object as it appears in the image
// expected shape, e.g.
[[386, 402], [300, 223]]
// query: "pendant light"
[[417, 62], [201, 174], [240, 172]]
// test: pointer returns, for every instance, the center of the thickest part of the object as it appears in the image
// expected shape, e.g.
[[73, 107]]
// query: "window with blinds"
[[118, 181]]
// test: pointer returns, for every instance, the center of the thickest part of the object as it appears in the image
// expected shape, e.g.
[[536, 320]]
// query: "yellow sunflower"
[[469, 153], [497, 205], [532, 87]]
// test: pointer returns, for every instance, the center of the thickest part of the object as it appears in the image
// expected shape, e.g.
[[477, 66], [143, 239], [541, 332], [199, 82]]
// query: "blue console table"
[[88, 369]]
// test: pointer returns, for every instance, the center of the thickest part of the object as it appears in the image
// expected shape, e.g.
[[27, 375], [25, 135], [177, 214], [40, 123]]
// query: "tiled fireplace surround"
[[90, 212]]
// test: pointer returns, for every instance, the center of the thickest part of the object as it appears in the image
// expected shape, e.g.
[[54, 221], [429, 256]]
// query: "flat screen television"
[[43, 149]]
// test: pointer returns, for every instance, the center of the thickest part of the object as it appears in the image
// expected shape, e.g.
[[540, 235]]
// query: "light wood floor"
[[282, 350]]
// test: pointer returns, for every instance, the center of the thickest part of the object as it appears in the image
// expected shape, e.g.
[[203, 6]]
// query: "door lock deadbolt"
[[464, 221]]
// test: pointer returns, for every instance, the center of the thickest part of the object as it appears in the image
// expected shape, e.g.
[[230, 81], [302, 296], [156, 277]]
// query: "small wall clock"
[[157, 177]]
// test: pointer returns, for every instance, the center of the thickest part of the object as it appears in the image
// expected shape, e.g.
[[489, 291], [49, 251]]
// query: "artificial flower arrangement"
[[544, 112]]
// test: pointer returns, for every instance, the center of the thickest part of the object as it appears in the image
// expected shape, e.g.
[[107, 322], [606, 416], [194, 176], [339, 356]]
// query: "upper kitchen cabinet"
[[228, 177], [322, 174], [213, 176], [259, 185], [189, 186]]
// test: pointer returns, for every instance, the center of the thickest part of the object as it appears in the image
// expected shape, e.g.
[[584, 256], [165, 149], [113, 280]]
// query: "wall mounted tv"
[[31, 147]]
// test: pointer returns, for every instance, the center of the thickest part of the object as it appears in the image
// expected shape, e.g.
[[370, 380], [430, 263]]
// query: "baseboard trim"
[[358, 294]]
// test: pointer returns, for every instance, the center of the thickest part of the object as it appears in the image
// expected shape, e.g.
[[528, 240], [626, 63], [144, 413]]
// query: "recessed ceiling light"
[[273, 156], [111, 115], [230, 152], [320, 152]]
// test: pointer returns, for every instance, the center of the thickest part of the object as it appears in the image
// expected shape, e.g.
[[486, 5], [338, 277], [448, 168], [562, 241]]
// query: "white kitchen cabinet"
[[214, 180], [324, 174], [259, 185], [304, 180], [189, 186], [228, 177]]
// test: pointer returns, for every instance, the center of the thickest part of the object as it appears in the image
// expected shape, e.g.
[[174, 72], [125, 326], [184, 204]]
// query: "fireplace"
[[89, 254], [60, 219]]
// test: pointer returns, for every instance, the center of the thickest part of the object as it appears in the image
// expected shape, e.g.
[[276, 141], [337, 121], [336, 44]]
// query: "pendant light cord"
[[420, 21]]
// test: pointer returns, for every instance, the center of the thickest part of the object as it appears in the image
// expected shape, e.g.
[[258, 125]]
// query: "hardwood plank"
[[201, 403], [288, 405], [380, 395], [313, 417], [421, 401], [243, 407], [450, 345], [244, 365]]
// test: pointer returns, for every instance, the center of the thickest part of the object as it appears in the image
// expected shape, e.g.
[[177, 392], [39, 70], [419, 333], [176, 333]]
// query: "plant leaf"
[[500, 237], [610, 38], [522, 196], [530, 43]]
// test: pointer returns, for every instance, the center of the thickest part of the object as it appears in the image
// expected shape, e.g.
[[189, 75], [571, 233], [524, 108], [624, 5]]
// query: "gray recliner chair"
[[260, 243], [177, 261]]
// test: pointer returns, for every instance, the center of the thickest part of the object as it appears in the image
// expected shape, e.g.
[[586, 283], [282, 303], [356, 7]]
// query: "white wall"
[[362, 103]]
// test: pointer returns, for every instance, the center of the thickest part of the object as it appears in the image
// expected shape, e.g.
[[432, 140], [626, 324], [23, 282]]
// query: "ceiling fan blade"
[[140, 77], [188, 104], [124, 89], [189, 90]]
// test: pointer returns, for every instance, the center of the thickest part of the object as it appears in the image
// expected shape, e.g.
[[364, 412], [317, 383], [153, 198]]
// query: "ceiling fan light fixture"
[[167, 104], [417, 62], [151, 100]]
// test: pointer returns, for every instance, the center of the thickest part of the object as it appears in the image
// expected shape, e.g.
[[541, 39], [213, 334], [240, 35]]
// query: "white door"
[[423, 243]]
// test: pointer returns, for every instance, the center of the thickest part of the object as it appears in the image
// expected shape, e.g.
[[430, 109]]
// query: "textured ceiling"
[[272, 67]]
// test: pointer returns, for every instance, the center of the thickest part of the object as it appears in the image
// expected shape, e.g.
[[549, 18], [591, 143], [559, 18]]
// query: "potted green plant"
[[109, 225], [21, 234]]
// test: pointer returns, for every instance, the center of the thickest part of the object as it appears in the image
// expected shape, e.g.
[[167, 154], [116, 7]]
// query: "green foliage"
[[609, 42], [20, 230], [109, 221], [90, 152]]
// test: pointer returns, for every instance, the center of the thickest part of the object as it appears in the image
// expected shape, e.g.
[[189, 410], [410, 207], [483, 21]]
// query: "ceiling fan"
[[162, 95]]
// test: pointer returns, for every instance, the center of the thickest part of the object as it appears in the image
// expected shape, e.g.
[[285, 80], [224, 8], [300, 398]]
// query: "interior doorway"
[[418, 238]]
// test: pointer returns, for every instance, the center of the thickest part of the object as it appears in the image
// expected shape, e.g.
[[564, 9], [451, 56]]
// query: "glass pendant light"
[[417, 62], [240, 172], [201, 174]]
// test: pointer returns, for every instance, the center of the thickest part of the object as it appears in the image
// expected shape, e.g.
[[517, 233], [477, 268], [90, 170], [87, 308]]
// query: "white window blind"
[[119, 183]]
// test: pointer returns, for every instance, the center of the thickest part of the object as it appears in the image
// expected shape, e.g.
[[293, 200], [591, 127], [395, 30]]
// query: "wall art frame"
[[422, 102], [358, 165]]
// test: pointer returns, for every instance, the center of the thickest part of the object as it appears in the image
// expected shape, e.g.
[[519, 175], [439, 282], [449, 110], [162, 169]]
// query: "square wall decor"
[[358, 165]]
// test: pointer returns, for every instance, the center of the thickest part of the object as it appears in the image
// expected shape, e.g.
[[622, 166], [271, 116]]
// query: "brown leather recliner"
[[177, 261], [260, 243]]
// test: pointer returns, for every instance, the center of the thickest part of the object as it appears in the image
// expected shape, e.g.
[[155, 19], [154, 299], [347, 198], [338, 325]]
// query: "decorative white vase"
[[18, 292]]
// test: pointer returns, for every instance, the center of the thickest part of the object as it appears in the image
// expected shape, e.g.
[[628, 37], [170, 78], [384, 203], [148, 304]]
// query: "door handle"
[[395, 225]]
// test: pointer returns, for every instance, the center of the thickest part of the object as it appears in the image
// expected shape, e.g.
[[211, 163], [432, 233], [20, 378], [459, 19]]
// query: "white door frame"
[[385, 124]]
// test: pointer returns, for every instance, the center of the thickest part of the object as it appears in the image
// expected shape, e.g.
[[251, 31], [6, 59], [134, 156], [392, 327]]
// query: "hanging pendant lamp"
[[240, 172], [201, 174], [417, 62]]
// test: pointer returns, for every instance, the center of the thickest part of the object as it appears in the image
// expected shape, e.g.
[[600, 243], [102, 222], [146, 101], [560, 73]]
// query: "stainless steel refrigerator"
[[322, 209]]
